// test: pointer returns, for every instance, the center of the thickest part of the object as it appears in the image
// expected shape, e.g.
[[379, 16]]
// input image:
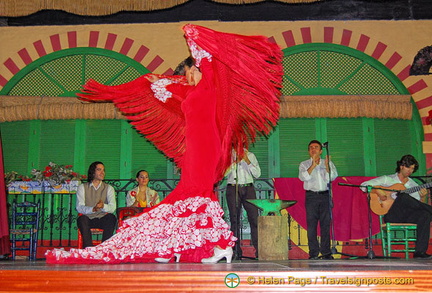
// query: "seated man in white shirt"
[[96, 202], [404, 207]]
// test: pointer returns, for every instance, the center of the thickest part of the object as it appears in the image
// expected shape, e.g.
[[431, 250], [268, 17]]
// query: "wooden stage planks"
[[240, 276]]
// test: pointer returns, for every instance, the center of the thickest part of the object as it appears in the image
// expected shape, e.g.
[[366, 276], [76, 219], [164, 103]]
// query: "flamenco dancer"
[[230, 94]]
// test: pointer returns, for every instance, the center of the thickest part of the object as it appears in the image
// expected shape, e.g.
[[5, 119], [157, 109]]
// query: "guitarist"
[[406, 208]]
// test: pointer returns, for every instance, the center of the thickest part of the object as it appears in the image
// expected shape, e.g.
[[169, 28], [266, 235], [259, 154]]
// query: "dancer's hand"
[[152, 78], [196, 74]]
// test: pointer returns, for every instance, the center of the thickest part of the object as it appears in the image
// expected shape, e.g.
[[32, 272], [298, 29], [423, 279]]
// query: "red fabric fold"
[[4, 223], [350, 211]]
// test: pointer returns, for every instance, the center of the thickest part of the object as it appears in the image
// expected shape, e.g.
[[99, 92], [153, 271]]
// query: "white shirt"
[[389, 180], [109, 207], [243, 172], [319, 178]]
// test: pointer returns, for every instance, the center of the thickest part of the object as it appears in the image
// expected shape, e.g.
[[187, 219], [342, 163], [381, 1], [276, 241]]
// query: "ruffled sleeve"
[[145, 105]]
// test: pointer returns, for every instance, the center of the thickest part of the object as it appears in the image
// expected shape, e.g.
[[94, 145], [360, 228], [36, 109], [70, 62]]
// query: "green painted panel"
[[145, 156], [103, 144], [15, 145], [260, 149], [57, 142], [295, 135], [392, 141], [345, 145]]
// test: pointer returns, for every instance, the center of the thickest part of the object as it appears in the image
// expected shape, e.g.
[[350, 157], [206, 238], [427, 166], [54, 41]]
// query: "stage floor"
[[339, 275], [348, 265]]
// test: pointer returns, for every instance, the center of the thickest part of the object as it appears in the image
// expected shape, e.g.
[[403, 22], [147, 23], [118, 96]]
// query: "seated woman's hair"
[[138, 173]]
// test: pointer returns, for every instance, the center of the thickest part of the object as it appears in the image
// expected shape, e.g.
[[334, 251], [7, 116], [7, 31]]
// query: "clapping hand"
[[98, 206]]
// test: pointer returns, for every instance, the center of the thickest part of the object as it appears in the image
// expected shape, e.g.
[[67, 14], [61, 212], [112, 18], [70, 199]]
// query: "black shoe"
[[313, 257], [327, 256], [423, 255]]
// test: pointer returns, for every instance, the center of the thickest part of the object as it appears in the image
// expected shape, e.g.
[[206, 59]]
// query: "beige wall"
[[165, 40]]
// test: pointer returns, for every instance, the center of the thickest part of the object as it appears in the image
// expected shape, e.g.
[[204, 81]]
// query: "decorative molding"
[[347, 106], [13, 8], [17, 108]]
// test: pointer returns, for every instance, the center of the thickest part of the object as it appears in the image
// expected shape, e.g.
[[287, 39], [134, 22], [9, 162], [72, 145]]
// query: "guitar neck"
[[417, 188]]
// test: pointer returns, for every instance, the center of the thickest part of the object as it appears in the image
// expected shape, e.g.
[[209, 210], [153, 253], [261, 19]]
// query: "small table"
[[272, 228], [270, 206]]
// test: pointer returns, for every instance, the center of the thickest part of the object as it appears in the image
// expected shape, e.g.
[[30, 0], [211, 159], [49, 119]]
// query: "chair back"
[[25, 227], [397, 237]]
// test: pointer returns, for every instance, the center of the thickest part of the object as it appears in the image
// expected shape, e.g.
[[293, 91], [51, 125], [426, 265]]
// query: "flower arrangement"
[[14, 176], [53, 173]]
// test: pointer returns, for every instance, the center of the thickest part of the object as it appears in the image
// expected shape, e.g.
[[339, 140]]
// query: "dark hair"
[[137, 174], [407, 161], [92, 170], [180, 69], [315, 141]]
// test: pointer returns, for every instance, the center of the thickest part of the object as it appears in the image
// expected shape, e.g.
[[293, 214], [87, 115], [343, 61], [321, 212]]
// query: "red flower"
[[133, 193], [74, 174], [47, 168], [47, 173]]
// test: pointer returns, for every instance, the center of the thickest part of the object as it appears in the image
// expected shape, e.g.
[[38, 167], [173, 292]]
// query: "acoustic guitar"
[[380, 207]]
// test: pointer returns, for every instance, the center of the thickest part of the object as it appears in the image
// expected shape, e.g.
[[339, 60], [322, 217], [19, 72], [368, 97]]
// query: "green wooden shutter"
[[260, 150], [295, 135], [57, 142], [392, 141], [345, 145], [15, 146], [103, 144], [145, 156]]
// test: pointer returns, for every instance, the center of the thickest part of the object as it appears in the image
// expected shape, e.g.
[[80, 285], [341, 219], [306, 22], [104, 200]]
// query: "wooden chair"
[[96, 236], [125, 213], [398, 238], [24, 228]]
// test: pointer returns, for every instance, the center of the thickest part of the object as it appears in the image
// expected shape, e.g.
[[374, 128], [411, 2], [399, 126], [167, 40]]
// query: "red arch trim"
[[72, 39], [55, 42], [25, 56], [306, 35], [40, 49], [72, 42], [111, 39], [328, 34], [362, 45]]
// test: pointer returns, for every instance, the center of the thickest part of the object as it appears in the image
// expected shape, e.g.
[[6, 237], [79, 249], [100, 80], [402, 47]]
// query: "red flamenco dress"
[[197, 126]]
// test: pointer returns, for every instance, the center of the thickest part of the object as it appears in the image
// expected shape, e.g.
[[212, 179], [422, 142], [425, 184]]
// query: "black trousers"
[[318, 211], [234, 208], [407, 209], [107, 223]]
